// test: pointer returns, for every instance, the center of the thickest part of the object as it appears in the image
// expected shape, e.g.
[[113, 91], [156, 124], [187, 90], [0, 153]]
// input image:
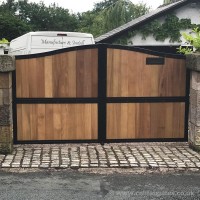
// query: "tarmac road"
[[48, 185]]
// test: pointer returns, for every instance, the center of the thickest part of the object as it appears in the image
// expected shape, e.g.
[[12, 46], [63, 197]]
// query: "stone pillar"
[[7, 65], [193, 63]]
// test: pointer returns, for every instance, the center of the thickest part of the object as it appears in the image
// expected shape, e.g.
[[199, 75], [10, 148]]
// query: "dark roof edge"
[[168, 8]]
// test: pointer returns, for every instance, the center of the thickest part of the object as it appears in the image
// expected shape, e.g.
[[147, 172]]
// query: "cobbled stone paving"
[[101, 156]]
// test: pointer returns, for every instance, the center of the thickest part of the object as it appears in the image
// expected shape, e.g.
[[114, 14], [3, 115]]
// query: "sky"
[[85, 5]]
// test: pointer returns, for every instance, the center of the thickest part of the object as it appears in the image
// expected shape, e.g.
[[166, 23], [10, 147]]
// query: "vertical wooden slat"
[[109, 71], [87, 74], [182, 78], [124, 73], [80, 126], [132, 71], [147, 76], [56, 75], [41, 122], [144, 120], [72, 125], [26, 122], [64, 121], [48, 79], [19, 122], [79, 74], [157, 118], [182, 120], [131, 121], [88, 119], [62, 74], [113, 112], [113, 72], [124, 123], [25, 79], [116, 74], [34, 122], [40, 77], [49, 122], [94, 122], [57, 121], [71, 74], [178, 113], [94, 73], [19, 78], [154, 80], [34, 83], [169, 130]]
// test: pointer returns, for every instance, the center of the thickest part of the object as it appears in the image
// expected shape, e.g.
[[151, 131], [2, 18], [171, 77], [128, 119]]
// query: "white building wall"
[[191, 11]]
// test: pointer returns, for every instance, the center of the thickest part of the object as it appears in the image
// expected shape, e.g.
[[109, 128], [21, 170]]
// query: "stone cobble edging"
[[98, 156]]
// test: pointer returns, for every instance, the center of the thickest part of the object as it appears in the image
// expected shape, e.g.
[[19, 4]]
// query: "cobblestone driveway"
[[122, 155]]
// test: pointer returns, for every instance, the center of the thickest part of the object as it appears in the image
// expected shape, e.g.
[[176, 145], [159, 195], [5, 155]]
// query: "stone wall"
[[6, 117], [193, 63]]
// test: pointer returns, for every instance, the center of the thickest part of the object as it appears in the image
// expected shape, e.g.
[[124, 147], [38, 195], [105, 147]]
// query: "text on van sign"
[[60, 42]]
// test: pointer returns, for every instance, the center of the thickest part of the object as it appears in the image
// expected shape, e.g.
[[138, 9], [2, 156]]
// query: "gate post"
[[193, 63], [102, 85], [7, 65]]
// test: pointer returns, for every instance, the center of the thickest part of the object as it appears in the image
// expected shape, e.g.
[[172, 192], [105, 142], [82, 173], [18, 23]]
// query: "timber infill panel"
[[129, 75], [57, 121], [145, 120], [100, 93], [65, 75]]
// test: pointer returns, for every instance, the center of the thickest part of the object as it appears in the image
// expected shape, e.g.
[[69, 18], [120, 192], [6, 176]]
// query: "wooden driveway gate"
[[100, 93]]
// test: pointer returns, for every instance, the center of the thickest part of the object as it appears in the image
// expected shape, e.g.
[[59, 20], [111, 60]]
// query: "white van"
[[43, 41]]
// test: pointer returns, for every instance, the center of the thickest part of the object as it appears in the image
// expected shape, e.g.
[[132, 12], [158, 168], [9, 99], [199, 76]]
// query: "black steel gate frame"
[[102, 100]]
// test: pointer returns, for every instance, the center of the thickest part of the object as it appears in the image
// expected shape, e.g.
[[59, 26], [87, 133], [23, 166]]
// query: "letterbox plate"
[[155, 61]]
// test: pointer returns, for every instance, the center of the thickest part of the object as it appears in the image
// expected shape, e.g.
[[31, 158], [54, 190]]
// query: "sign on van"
[[60, 42], [38, 42]]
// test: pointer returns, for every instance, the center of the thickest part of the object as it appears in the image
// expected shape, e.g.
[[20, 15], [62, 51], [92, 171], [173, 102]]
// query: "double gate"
[[100, 93]]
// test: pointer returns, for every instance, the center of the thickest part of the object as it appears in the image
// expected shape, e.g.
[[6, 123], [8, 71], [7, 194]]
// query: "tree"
[[9, 5], [169, 1], [121, 12], [105, 16], [108, 15], [100, 6], [43, 18], [20, 17], [11, 26], [91, 22]]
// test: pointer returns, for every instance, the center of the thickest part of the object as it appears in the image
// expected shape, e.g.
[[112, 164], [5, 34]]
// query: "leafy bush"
[[193, 40], [4, 41], [184, 50]]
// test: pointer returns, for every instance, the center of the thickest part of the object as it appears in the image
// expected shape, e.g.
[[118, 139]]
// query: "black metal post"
[[102, 88]]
